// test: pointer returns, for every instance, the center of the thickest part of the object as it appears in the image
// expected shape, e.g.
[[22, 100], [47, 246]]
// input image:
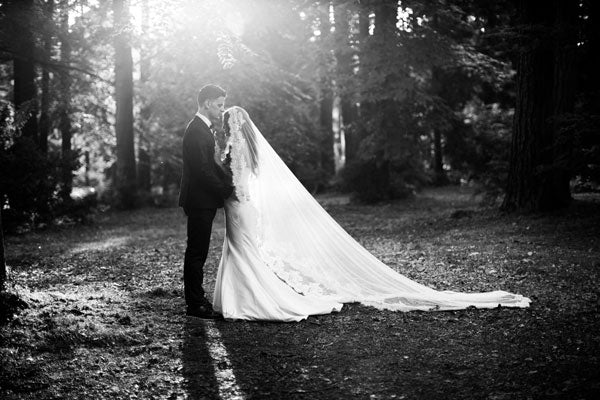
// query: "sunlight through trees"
[[379, 98]]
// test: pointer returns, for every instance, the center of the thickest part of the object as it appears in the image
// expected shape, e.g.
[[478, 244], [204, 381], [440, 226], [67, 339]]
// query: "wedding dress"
[[284, 258]]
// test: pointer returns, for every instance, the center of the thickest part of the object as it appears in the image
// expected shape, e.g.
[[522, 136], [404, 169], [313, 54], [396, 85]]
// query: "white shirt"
[[205, 119]]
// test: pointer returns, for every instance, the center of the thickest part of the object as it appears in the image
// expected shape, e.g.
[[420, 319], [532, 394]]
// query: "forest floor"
[[105, 316]]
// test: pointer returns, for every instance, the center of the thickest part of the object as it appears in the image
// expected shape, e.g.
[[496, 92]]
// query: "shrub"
[[28, 187], [371, 181]]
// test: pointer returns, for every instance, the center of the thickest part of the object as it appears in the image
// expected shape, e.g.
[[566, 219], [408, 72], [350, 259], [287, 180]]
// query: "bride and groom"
[[283, 258]]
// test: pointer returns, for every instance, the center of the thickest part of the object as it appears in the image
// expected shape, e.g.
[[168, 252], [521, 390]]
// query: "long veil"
[[313, 254]]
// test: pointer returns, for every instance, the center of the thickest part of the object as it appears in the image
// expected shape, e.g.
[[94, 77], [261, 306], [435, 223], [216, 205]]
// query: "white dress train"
[[246, 287], [284, 258]]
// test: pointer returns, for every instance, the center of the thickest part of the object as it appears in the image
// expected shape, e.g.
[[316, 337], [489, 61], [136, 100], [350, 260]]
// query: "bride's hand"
[[222, 164], [219, 162]]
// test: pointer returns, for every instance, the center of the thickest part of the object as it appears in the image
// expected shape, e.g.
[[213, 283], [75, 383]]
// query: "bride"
[[284, 258]]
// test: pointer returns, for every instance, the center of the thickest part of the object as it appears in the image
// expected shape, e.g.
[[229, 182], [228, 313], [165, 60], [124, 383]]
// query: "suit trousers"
[[199, 226]]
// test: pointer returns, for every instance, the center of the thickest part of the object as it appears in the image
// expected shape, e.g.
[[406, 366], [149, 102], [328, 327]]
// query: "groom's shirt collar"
[[205, 119]]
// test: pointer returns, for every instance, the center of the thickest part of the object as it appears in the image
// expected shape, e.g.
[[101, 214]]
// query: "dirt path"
[[105, 317]]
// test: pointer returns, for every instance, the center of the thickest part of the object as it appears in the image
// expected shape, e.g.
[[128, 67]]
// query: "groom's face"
[[216, 108]]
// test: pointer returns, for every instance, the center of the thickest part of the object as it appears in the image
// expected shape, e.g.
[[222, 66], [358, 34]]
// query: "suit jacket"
[[203, 183]]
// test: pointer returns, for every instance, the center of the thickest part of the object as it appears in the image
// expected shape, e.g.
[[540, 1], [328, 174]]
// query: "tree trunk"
[[20, 13], [349, 116], [64, 119], [385, 36], [3, 274], [144, 161], [535, 183], [344, 75], [126, 170], [365, 109], [564, 91], [88, 167], [166, 177], [144, 166], [45, 101], [326, 122], [440, 177], [592, 64], [326, 100]]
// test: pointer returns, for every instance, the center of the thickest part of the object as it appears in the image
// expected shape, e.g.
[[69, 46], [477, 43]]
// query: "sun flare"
[[234, 21]]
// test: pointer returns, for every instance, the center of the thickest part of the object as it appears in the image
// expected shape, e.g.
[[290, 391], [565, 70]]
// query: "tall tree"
[[44, 123], [439, 175], [436, 86], [21, 14], [386, 38], [144, 162], [126, 169], [3, 274], [64, 118], [326, 91], [365, 108], [587, 127], [538, 177], [344, 74], [564, 92]]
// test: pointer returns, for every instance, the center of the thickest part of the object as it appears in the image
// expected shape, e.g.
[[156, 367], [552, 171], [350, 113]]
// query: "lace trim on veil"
[[236, 147]]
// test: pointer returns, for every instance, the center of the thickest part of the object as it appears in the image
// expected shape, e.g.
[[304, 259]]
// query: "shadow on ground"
[[105, 317]]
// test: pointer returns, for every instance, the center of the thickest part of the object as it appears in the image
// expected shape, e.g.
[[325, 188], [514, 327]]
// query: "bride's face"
[[234, 121]]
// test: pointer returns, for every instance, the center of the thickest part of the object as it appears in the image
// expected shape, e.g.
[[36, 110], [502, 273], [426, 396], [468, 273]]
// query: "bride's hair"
[[246, 131]]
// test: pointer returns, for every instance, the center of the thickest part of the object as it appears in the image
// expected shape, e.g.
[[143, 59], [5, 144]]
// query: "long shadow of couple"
[[207, 371]]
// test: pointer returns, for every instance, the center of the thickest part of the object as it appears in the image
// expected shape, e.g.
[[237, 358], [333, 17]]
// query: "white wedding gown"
[[284, 258]]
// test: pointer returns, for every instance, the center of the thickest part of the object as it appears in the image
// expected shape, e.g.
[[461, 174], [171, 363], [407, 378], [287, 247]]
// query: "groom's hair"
[[210, 92]]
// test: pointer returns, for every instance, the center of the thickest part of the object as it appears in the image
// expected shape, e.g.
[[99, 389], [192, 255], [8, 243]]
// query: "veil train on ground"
[[307, 249]]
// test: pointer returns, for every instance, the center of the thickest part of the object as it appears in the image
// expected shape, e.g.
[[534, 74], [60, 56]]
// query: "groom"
[[204, 186]]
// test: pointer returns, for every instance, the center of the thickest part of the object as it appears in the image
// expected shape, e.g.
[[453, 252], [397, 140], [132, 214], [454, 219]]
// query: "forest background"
[[380, 100], [372, 97]]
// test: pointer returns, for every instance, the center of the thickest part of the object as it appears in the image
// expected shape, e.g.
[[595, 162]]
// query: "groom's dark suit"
[[204, 186]]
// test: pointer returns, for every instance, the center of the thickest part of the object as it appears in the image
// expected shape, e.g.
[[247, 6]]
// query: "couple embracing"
[[283, 258]]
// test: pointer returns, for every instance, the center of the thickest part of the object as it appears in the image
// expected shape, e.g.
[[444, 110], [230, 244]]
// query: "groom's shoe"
[[203, 312]]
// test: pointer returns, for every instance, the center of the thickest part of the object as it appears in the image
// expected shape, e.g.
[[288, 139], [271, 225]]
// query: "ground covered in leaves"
[[105, 316]]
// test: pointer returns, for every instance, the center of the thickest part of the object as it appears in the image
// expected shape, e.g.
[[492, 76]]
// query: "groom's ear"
[[206, 104]]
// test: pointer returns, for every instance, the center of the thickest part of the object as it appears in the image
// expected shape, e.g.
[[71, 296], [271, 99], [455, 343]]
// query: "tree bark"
[[44, 123], [592, 65], [326, 122], [144, 161], [440, 177], [88, 167], [364, 109], [344, 75], [144, 166], [535, 181], [385, 36], [326, 100], [3, 272], [564, 91], [20, 14], [64, 118], [126, 169]]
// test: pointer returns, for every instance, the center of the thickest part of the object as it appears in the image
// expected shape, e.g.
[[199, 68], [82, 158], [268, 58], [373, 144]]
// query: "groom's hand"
[[233, 196]]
